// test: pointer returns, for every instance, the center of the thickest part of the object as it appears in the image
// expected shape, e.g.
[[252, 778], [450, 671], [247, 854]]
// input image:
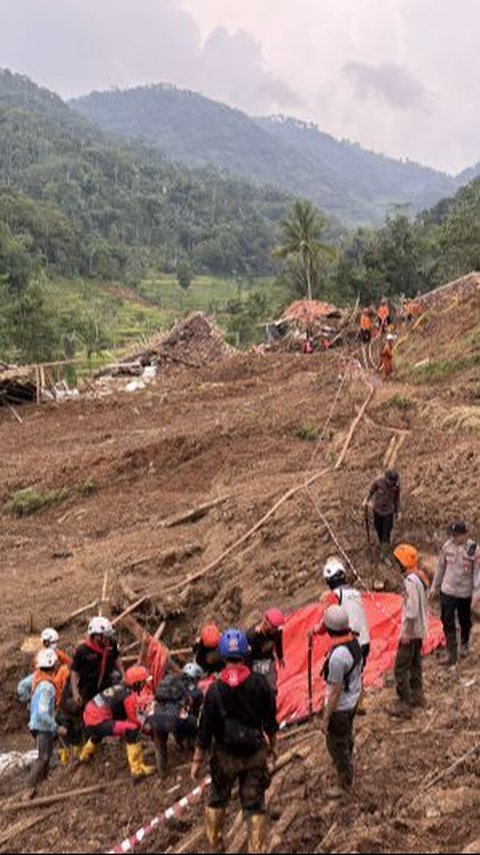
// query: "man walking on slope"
[[343, 675], [239, 722], [458, 580], [414, 629], [384, 495]]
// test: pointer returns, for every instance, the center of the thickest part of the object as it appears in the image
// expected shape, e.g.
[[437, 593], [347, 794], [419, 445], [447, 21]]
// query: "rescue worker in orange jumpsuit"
[[386, 357], [366, 326], [383, 315]]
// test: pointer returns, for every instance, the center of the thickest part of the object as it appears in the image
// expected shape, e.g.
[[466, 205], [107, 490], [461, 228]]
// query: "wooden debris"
[[193, 514], [88, 608], [19, 828], [214, 564], [131, 609], [59, 797]]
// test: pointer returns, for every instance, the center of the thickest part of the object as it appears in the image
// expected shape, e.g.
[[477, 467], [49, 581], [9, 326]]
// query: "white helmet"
[[336, 619], [46, 658], [50, 636], [100, 626], [391, 337], [333, 567], [193, 671]]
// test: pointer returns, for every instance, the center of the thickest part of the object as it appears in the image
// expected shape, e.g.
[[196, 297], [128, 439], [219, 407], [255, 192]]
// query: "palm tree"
[[301, 240]]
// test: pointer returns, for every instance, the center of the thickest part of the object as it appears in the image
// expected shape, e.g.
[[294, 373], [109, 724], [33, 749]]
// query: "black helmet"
[[392, 476]]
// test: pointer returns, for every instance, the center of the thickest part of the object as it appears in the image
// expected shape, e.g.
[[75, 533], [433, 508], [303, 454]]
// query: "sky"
[[397, 76]]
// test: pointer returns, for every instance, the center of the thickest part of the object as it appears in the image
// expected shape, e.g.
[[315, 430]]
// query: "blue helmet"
[[233, 645]]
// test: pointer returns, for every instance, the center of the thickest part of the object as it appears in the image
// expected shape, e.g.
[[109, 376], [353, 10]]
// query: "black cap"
[[458, 528]]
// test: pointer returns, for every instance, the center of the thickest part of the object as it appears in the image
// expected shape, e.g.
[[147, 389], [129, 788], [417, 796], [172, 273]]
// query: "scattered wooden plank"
[[90, 607], [59, 797], [19, 828], [131, 609], [353, 428], [14, 412], [193, 514]]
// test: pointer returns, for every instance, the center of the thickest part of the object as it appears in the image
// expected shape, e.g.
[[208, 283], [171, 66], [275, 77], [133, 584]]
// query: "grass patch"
[[434, 372], [400, 402], [308, 433], [29, 501], [87, 488]]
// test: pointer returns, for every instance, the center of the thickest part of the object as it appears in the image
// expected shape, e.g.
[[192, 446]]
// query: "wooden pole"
[[59, 797]]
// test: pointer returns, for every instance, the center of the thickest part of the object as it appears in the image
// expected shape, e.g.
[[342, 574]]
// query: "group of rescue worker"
[[222, 704], [382, 322]]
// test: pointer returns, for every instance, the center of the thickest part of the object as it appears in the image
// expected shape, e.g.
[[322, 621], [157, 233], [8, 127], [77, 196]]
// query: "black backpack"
[[239, 739]]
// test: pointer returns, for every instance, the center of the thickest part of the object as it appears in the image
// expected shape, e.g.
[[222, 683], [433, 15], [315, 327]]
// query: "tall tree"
[[302, 233]]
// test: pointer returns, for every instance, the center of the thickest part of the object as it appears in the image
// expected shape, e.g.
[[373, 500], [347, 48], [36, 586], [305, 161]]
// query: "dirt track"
[[232, 430]]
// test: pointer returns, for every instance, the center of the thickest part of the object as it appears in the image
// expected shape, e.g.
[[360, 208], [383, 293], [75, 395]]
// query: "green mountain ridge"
[[348, 182], [122, 205]]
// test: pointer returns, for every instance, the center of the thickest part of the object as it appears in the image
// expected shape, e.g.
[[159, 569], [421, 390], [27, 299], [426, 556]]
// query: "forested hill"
[[354, 185], [75, 200]]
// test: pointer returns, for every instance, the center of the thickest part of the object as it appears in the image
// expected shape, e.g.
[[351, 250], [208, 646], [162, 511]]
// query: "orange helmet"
[[136, 674], [210, 636], [407, 556]]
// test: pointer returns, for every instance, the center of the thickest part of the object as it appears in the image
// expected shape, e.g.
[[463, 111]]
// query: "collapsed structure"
[[323, 323], [193, 342]]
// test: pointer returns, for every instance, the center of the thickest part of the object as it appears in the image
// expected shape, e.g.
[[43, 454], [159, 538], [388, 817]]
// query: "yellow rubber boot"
[[65, 755], [137, 766], [87, 752], [77, 752], [214, 819], [257, 828]]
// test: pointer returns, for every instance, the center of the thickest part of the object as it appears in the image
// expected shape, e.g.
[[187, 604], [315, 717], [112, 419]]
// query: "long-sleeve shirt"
[[415, 608], [457, 574], [42, 708], [386, 497]]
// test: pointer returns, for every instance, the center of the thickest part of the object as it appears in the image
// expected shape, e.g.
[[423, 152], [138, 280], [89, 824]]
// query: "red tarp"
[[383, 614]]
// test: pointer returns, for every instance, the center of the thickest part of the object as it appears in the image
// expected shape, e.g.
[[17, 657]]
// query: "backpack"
[[172, 699], [354, 649], [239, 739]]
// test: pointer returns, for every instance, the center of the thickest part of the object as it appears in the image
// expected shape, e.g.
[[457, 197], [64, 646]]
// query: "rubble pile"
[[323, 323], [16, 386], [193, 342]]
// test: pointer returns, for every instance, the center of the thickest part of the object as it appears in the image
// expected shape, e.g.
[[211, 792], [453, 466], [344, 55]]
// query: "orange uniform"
[[386, 360]]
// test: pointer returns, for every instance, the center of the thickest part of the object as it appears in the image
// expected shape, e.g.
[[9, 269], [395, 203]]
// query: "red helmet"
[[136, 674], [210, 636], [275, 618]]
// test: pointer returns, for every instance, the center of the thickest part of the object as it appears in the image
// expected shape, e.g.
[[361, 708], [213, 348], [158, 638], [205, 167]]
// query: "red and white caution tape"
[[171, 813]]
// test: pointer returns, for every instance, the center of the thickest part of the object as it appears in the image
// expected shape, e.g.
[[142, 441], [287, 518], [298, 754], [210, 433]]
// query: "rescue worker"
[[50, 639], [266, 645], [384, 496], [238, 722], [383, 315], [457, 578], [385, 365], [178, 701], [343, 675], [60, 678], [342, 594], [95, 667], [114, 712], [42, 724], [414, 629], [366, 326], [205, 650]]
